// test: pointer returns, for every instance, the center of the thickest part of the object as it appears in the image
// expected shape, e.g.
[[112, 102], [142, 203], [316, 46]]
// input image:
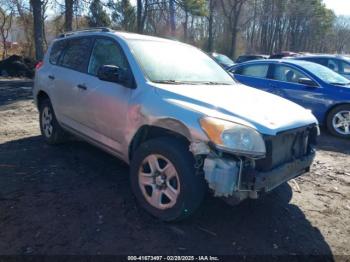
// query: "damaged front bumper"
[[228, 177], [266, 181], [288, 154]]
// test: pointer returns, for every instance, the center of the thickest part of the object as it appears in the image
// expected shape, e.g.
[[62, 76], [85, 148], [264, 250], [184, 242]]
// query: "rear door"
[[70, 77], [254, 75]]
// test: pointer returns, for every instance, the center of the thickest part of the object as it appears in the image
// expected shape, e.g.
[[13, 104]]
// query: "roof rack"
[[93, 29]]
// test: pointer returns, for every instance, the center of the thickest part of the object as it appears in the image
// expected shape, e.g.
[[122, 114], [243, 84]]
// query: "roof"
[[106, 30], [322, 56], [282, 61], [262, 55], [134, 36]]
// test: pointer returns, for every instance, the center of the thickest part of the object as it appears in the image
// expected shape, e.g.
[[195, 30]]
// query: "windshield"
[[171, 62], [325, 74], [223, 59]]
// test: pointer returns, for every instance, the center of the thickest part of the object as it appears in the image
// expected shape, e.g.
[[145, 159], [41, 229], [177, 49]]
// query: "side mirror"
[[307, 82], [112, 73]]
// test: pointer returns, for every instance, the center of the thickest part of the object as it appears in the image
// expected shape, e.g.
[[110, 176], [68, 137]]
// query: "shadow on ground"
[[331, 143], [14, 91], [76, 199]]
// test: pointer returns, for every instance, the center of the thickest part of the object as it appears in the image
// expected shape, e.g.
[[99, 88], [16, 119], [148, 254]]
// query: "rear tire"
[[49, 127], [166, 165], [338, 121]]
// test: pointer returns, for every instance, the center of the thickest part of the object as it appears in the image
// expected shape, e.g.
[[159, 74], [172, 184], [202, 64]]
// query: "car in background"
[[223, 60], [246, 58], [283, 54], [311, 85], [338, 63]]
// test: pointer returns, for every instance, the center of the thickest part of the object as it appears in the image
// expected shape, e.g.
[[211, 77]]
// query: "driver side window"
[[345, 67], [287, 74], [106, 52], [333, 65]]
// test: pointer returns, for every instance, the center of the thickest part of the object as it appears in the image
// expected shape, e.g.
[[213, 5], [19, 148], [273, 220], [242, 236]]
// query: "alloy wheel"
[[159, 181], [341, 122], [46, 120]]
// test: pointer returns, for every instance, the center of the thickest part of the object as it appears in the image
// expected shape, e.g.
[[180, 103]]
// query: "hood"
[[267, 113]]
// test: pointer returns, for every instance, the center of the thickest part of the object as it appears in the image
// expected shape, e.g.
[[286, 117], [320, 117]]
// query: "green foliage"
[[97, 15], [123, 14], [194, 7]]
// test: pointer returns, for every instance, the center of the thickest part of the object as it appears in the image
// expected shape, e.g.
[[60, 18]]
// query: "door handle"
[[51, 77], [82, 86]]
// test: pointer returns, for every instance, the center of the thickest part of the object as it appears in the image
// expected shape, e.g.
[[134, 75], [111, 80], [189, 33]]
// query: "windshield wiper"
[[213, 83], [176, 82], [340, 84], [171, 82]]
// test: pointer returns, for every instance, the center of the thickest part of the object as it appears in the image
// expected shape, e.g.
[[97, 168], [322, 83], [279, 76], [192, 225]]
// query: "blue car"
[[313, 86], [338, 63]]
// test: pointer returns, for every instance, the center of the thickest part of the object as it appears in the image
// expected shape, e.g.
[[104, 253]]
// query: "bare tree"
[[24, 20], [172, 18], [342, 34], [232, 10], [68, 14], [38, 28], [6, 17], [212, 4], [141, 14]]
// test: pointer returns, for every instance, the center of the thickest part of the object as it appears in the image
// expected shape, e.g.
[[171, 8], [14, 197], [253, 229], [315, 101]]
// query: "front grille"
[[286, 147]]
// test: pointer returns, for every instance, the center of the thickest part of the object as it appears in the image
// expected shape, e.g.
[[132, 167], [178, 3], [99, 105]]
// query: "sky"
[[340, 7]]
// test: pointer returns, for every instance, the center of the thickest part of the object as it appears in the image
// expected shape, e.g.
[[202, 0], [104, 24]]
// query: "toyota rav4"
[[174, 115]]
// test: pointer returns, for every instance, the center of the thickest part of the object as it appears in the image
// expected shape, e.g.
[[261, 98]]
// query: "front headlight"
[[233, 137]]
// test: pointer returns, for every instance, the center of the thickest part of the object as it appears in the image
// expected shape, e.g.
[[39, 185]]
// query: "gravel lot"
[[76, 199]]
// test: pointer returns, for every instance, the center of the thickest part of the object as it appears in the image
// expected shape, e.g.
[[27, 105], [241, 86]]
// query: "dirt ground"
[[76, 199]]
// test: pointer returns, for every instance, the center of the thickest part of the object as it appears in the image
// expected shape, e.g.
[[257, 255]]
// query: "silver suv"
[[172, 113]]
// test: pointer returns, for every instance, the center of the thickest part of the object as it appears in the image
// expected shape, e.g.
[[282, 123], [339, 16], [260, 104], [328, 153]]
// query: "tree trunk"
[[68, 22], [233, 44], [139, 16], [172, 17], [38, 29], [210, 26], [185, 24], [252, 35], [234, 30]]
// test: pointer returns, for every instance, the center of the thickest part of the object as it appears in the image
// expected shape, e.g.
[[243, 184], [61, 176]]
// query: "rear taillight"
[[38, 65]]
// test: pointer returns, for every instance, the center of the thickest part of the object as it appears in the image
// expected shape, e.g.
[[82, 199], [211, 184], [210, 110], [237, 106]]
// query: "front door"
[[284, 80], [105, 103]]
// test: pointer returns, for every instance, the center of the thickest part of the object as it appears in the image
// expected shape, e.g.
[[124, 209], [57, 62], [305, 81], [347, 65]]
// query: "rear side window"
[[253, 70], [56, 51], [76, 54], [345, 67], [321, 61]]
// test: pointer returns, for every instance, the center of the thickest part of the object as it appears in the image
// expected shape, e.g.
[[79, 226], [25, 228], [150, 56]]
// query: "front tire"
[[338, 121], [49, 127], [164, 180]]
